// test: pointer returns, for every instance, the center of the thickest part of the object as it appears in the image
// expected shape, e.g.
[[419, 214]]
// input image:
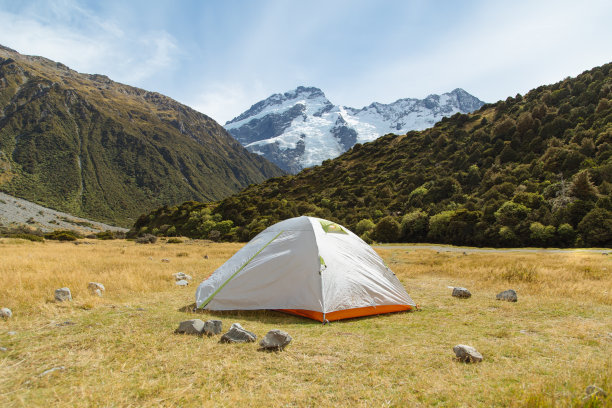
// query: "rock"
[[237, 334], [507, 295], [461, 293], [205, 256], [11, 333], [182, 276], [212, 327], [467, 354], [63, 294], [6, 313], [464, 253], [195, 326], [594, 391], [165, 260], [51, 370], [3, 349], [96, 288], [66, 323], [182, 282], [275, 340]]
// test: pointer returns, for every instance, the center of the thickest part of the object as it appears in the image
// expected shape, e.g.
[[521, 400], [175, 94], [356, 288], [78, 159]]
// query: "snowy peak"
[[301, 128]]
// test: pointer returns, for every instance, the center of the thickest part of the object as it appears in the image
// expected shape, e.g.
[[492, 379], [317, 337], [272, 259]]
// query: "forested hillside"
[[533, 170], [92, 147]]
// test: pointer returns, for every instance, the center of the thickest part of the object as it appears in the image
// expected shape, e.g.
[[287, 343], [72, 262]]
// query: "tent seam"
[[210, 298]]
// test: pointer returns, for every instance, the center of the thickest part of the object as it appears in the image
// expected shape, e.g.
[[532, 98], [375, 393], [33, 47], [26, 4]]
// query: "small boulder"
[[237, 334], [467, 354], [594, 391], [166, 260], [212, 327], [275, 340], [182, 276], [51, 370], [11, 333], [3, 349], [507, 295], [182, 282], [96, 288], [6, 313], [461, 293], [206, 256], [63, 294], [195, 326]]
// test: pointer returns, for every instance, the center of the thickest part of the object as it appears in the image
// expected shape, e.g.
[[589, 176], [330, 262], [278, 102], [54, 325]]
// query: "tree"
[[596, 228], [414, 226], [511, 213], [438, 226], [363, 226], [387, 230], [582, 187]]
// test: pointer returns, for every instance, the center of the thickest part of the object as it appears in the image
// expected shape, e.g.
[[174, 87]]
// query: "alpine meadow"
[[330, 203]]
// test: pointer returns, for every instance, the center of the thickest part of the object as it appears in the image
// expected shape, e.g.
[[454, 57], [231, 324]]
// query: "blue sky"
[[220, 57]]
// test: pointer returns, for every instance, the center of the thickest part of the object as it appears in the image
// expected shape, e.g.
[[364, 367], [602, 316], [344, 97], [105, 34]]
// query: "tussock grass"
[[121, 351]]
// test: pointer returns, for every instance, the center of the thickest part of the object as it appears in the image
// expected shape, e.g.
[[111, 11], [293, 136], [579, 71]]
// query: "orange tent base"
[[348, 313]]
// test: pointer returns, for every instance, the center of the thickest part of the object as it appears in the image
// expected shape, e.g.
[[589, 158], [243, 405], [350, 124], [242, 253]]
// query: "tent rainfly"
[[308, 267]]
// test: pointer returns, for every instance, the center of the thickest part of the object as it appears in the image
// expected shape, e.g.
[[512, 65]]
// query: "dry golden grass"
[[120, 350]]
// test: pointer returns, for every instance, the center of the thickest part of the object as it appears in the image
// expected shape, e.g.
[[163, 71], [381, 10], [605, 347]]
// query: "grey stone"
[[195, 326], [237, 334], [182, 276], [51, 370], [165, 260], [275, 340], [594, 391], [11, 333], [461, 293], [63, 294], [182, 282], [3, 349], [6, 313], [507, 295], [96, 288], [212, 327], [467, 354]]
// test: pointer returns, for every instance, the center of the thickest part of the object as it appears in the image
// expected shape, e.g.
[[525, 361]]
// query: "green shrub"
[[63, 235], [174, 241], [146, 239], [363, 226], [387, 230]]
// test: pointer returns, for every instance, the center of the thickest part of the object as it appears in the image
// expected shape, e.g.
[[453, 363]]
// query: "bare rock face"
[[237, 334], [507, 295], [462, 293], [195, 326], [275, 340], [212, 327], [63, 294], [467, 354], [6, 313], [96, 288]]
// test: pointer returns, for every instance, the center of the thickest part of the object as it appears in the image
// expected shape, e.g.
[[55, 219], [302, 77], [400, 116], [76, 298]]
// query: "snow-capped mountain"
[[301, 128]]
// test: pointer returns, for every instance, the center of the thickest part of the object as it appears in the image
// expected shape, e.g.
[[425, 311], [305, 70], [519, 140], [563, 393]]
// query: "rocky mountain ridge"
[[302, 128]]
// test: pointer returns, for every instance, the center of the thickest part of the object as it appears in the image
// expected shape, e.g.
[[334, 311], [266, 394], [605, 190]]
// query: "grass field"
[[120, 350]]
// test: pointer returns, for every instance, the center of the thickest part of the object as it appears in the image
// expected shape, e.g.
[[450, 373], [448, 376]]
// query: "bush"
[[175, 241], [363, 226], [63, 235], [146, 239], [387, 230], [596, 228], [105, 235], [29, 237], [414, 226], [566, 235]]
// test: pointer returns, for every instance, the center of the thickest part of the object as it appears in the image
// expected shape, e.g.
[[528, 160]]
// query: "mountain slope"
[[301, 128], [92, 147], [530, 170]]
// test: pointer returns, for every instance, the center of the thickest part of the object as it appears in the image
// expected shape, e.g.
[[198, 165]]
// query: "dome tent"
[[309, 267]]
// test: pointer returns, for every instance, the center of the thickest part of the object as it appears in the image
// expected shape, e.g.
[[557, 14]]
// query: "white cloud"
[[67, 33]]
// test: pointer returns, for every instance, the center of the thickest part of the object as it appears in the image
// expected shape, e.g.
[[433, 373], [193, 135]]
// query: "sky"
[[221, 57]]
